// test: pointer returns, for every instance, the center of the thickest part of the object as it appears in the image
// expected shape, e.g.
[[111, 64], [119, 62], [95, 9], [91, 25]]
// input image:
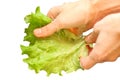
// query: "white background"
[[12, 27]]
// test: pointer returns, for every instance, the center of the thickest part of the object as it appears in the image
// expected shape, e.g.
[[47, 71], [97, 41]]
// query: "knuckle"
[[96, 29], [113, 59], [60, 22], [99, 57], [53, 8], [53, 11]]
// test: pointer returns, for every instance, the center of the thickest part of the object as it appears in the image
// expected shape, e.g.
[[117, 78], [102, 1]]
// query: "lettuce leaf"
[[54, 54]]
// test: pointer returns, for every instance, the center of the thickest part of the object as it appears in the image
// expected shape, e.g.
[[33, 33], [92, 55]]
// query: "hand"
[[68, 15], [106, 35]]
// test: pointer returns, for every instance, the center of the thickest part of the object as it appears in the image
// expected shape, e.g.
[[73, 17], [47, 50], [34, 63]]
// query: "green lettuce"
[[54, 54]]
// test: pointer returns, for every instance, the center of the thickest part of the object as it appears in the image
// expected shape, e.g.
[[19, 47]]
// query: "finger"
[[95, 55], [54, 12], [101, 51], [87, 62], [91, 38], [89, 49], [91, 59], [47, 30], [114, 52]]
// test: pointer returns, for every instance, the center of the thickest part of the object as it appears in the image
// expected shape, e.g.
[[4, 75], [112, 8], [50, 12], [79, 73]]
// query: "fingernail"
[[37, 32], [84, 63], [81, 63]]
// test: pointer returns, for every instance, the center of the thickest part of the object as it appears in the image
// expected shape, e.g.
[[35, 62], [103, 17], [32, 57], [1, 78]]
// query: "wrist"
[[104, 8]]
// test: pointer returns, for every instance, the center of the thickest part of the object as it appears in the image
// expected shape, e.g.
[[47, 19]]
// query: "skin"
[[106, 33], [79, 14]]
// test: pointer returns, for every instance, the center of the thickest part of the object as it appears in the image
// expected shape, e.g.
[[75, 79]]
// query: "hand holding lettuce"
[[54, 54]]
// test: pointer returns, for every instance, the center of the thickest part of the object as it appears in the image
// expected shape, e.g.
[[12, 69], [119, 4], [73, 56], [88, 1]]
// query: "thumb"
[[91, 38], [87, 62], [47, 30], [54, 12], [90, 60]]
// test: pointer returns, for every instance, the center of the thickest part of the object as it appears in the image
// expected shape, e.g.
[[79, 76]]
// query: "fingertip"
[[91, 38], [42, 32], [83, 63], [87, 62], [47, 30], [37, 32], [87, 39]]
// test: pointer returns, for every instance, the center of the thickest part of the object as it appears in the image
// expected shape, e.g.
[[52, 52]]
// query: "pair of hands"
[[106, 33]]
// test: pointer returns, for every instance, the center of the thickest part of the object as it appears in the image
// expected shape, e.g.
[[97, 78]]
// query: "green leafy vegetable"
[[56, 53]]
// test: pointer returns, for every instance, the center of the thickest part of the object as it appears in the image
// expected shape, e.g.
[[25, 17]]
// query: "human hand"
[[106, 35], [68, 15]]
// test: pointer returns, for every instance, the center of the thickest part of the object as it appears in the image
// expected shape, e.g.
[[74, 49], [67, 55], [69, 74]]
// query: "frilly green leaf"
[[54, 54]]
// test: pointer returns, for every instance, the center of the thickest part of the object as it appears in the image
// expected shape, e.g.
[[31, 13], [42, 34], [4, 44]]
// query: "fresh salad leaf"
[[54, 54]]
